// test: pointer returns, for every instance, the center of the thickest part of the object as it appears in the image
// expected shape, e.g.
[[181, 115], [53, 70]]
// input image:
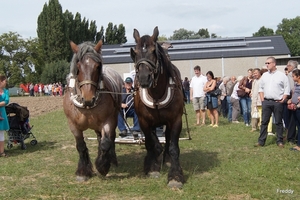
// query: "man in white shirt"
[[197, 95], [273, 91]]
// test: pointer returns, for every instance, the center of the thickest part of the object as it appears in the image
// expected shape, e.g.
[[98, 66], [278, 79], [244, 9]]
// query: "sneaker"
[[211, 125], [270, 133], [216, 125], [135, 134], [235, 122], [247, 124], [123, 133]]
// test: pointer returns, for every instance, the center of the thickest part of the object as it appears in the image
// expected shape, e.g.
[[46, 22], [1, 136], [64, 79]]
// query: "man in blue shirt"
[[127, 110]]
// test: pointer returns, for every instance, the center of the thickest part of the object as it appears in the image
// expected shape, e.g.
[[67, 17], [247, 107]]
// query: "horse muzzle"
[[88, 103], [145, 81]]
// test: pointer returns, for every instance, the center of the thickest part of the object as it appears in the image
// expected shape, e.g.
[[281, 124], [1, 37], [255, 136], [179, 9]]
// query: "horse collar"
[[162, 102]]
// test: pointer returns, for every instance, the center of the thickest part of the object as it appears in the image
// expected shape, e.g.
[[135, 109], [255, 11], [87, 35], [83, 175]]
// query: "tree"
[[162, 38], [55, 72], [213, 35], [52, 32], [114, 34], [290, 31], [120, 36], [203, 33], [100, 35], [181, 34], [263, 31], [19, 58]]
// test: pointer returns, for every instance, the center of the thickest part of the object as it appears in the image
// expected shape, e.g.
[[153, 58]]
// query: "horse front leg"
[[152, 163], [175, 175], [166, 155], [106, 150], [85, 168]]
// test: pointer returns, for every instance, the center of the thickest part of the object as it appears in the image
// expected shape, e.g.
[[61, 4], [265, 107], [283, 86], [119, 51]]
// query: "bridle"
[[99, 87], [154, 68], [87, 82]]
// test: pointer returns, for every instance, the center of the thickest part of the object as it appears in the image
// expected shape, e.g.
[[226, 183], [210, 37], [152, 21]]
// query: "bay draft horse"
[[158, 101], [92, 101]]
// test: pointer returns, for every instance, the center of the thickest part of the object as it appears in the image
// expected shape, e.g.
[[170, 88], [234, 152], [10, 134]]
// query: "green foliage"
[[19, 58], [290, 31], [183, 34], [203, 33], [52, 32], [263, 31], [218, 163], [162, 38], [114, 34], [55, 72]]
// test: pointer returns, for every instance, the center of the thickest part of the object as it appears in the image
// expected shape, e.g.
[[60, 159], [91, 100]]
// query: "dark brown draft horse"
[[158, 101], [92, 101]]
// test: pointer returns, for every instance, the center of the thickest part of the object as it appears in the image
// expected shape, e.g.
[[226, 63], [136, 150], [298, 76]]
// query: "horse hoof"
[[175, 184], [82, 178], [154, 174]]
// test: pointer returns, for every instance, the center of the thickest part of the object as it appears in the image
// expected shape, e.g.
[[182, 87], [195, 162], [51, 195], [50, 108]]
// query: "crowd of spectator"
[[38, 89], [259, 99]]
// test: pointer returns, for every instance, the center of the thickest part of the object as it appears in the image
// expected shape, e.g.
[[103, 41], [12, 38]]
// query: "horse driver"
[[127, 110]]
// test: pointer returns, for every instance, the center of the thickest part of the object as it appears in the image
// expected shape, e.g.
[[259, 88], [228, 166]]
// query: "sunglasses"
[[267, 63]]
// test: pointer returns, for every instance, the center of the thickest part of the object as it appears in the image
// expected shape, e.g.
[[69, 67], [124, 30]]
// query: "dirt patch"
[[39, 105]]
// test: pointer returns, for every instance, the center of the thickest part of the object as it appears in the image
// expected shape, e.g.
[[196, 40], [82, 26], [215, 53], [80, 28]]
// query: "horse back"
[[113, 83]]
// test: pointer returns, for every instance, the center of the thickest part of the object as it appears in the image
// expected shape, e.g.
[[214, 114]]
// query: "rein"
[[75, 98]]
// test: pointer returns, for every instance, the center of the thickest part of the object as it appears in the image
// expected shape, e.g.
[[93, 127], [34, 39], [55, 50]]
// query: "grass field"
[[218, 163]]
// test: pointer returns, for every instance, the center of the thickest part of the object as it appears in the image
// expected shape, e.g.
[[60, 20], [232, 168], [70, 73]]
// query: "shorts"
[[211, 102], [198, 103]]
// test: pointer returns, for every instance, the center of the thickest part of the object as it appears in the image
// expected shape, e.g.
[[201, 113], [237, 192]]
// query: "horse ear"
[[98, 46], [132, 54], [155, 34], [74, 47], [136, 35]]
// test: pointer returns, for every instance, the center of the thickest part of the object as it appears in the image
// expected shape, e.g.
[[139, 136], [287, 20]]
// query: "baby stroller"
[[20, 130]]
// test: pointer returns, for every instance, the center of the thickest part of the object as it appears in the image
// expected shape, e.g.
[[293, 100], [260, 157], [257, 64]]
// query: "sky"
[[229, 18]]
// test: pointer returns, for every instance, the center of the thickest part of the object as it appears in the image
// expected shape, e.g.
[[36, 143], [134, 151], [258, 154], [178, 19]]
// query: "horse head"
[[87, 61], [147, 58]]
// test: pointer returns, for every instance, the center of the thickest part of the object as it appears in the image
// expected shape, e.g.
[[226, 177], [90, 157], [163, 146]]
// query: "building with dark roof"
[[222, 56]]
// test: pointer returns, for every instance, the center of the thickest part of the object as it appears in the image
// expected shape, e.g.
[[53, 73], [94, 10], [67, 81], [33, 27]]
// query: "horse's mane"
[[85, 49], [164, 61]]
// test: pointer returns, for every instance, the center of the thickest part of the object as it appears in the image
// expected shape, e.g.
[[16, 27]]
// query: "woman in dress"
[[4, 100]]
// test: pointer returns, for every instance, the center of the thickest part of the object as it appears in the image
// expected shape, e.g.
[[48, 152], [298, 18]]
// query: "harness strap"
[[87, 82]]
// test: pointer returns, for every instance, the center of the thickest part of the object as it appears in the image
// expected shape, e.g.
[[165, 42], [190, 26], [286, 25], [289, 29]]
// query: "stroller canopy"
[[21, 112]]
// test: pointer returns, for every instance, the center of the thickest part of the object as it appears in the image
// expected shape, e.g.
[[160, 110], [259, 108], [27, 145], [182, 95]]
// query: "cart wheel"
[[9, 146], [23, 146], [33, 142]]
